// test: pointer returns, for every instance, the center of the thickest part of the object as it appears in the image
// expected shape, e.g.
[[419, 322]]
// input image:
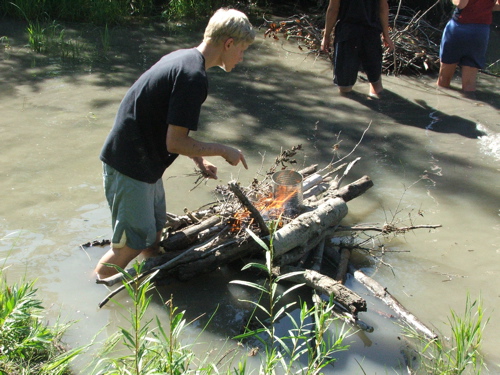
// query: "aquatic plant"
[[310, 337], [27, 344], [150, 348], [460, 354]]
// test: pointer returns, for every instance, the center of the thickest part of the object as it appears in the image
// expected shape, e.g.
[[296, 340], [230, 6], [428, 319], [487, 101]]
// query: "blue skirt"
[[465, 44]]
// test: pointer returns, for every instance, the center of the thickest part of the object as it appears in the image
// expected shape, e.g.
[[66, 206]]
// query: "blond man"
[[152, 128]]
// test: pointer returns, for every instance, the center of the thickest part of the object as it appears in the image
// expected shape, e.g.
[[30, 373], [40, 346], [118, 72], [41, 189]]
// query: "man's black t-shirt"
[[357, 17], [170, 92]]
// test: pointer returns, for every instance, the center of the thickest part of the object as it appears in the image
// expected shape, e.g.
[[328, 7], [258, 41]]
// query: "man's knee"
[[120, 257]]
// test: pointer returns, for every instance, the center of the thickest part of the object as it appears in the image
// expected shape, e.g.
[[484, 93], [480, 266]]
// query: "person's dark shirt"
[[357, 17], [170, 92]]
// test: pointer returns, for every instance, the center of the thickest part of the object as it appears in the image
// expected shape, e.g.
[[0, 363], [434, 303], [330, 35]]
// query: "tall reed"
[[310, 339], [27, 344], [461, 353]]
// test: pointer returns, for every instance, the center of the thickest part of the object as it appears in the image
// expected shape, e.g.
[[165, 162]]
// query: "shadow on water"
[[405, 112], [131, 51]]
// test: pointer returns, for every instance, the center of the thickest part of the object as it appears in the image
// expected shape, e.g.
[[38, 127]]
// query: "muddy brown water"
[[433, 155]]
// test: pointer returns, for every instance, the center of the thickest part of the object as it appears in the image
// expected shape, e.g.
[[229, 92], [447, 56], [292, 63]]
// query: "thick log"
[[347, 193], [354, 189], [382, 293], [309, 225], [175, 222], [326, 285], [183, 238]]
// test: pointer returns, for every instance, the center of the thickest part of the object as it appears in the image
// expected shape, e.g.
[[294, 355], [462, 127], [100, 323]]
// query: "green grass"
[[460, 354], [27, 344]]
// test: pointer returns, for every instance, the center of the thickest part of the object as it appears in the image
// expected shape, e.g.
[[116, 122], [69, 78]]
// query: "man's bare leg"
[[376, 88], [122, 256], [446, 72]]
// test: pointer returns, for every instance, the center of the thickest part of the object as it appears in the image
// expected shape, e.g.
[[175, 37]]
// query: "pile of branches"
[[416, 44], [416, 41], [304, 246]]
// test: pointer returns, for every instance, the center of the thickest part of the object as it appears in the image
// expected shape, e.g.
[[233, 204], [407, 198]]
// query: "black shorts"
[[364, 52]]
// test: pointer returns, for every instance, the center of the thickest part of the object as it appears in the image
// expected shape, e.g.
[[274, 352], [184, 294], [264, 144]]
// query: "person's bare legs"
[[469, 75], [122, 256], [446, 72], [345, 89], [376, 88]]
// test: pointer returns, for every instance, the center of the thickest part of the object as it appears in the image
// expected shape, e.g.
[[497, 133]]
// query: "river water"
[[434, 158]]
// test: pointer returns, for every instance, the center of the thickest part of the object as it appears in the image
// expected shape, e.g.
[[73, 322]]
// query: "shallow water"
[[433, 155]]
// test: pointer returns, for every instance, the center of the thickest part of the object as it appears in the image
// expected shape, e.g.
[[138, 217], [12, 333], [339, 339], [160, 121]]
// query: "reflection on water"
[[428, 151]]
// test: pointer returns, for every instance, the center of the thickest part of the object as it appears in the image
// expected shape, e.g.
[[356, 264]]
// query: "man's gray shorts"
[[138, 209]]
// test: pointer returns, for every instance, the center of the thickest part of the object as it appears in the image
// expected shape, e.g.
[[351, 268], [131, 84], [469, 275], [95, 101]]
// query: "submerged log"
[[380, 292]]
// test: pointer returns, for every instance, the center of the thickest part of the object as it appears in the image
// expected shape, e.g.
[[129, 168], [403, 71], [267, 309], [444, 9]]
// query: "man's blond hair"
[[229, 23]]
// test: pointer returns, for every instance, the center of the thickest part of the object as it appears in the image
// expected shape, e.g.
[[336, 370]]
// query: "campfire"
[[280, 203], [304, 206]]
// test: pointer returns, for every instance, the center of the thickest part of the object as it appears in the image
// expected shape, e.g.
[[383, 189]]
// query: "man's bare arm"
[[179, 142], [332, 14]]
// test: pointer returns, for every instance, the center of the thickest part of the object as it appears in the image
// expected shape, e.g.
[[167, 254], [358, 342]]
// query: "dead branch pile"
[[416, 41], [224, 233]]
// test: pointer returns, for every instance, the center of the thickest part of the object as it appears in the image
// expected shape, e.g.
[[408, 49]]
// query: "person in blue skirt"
[[465, 41]]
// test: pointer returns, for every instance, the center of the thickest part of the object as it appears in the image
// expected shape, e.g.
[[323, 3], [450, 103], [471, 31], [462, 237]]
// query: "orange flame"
[[271, 207]]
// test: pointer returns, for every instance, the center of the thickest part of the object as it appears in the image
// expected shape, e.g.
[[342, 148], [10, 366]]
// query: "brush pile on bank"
[[416, 41]]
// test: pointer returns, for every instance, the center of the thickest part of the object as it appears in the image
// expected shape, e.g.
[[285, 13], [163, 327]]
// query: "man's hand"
[[388, 43], [326, 43], [234, 156], [208, 169]]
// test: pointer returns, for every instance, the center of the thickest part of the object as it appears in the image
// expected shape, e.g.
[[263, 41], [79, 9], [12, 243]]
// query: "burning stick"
[[250, 207]]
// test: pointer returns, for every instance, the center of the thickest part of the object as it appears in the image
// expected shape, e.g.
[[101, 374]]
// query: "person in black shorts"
[[357, 25], [152, 127]]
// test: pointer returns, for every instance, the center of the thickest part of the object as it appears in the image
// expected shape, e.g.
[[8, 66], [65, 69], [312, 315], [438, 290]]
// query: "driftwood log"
[[380, 292], [325, 285]]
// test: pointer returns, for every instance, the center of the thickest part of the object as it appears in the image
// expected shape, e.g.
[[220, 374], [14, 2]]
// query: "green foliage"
[[27, 345], [310, 337], [461, 354], [99, 12], [149, 348], [182, 9]]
